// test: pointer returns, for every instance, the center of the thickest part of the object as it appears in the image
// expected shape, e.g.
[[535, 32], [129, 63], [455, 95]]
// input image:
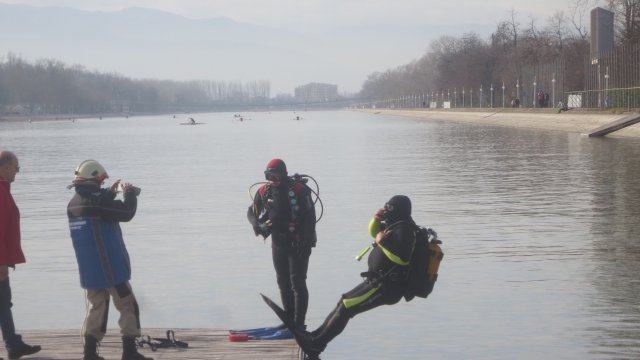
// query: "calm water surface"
[[540, 229]]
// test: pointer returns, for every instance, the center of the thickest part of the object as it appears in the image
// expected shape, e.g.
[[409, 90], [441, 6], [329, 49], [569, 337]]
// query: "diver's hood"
[[398, 208]]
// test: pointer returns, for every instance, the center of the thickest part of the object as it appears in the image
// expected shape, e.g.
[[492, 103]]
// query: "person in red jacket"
[[10, 255]]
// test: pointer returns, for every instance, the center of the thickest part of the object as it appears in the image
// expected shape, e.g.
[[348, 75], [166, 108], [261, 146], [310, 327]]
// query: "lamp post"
[[480, 96], [462, 96], [518, 91], [471, 96], [455, 98], [534, 90], [606, 88], [491, 95], [553, 90], [599, 86], [503, 94]]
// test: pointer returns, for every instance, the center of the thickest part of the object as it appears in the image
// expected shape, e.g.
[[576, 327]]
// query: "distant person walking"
[[94, 221], [10, 255]]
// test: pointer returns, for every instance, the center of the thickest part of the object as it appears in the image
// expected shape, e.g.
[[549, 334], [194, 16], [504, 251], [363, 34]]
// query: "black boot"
[[91, 349], [17, 348], [129, 351], [23, 350]]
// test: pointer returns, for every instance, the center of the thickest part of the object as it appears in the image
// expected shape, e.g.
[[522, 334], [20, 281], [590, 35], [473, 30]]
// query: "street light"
[[462, 96], [518, 91], [491, 95], [553, 90], [606, 88], [534, 91], [455, 98], [471, 96], [480, 96], [503, 94]]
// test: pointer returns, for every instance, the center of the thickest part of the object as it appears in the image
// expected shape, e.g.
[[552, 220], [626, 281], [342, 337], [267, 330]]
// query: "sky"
[[310, 14], [426, 19]]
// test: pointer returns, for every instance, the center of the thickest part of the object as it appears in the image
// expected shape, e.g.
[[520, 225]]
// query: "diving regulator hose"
[[302, 178]]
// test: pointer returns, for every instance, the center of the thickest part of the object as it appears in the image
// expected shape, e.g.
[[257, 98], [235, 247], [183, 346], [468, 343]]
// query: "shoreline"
[[68, 117], [543, 119]]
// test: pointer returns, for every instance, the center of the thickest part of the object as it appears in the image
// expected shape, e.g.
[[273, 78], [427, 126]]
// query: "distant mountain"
[[143, 43]]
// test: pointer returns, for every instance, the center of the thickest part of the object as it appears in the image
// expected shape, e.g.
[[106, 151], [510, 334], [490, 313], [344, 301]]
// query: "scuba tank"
[[425, 262], [263, 221]]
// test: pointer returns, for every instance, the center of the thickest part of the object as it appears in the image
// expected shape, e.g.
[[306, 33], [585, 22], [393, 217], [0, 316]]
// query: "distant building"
[[601, 32], [316, 93]]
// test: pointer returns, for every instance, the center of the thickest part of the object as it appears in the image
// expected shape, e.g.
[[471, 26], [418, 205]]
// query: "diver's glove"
[[263, 229]]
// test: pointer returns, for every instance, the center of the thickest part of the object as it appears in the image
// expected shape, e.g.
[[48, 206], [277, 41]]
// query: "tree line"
[[516, 54], [52, 87]]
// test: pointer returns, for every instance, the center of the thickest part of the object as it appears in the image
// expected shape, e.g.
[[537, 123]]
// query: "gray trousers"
[[95, 324]]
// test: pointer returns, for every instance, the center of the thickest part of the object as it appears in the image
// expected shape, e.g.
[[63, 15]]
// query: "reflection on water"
[[616, 259], [540, 229]]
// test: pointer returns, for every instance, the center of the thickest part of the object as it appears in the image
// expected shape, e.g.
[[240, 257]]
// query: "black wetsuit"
[[385, 281], [291, 212]]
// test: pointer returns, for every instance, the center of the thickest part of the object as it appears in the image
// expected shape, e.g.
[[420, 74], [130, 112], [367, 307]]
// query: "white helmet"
[[90, 170]]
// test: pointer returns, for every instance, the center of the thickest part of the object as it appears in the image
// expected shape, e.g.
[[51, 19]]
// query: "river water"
[[540, 228]]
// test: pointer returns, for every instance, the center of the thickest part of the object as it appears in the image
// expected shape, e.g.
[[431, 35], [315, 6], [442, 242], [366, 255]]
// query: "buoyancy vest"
[[102, 257], [287, 215]]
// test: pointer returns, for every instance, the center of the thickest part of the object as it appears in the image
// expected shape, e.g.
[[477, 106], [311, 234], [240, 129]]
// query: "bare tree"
[[627, 20], [579, 15]]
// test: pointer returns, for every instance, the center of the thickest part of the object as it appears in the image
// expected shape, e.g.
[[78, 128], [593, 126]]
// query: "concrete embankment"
[[545, 119]]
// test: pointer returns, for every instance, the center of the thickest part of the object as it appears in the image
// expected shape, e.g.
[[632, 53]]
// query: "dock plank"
[[615, 125], [203, 344]]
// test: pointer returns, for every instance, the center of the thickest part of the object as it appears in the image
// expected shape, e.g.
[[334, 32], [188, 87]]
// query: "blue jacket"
[[94, 223]]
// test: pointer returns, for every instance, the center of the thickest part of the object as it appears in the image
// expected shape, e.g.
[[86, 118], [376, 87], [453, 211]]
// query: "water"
[[540, 229]]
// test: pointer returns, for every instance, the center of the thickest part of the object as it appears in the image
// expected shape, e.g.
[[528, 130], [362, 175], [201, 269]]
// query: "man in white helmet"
[[94, 221]]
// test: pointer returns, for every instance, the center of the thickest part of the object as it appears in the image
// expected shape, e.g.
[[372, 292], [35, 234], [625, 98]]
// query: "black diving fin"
[[302, 338]]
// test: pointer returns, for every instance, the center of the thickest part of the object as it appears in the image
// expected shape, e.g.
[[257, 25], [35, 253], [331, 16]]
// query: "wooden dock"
[[615, 125], [204, 344]]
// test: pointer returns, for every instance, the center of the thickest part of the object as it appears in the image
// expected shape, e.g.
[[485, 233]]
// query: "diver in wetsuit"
[[384, 282], [283, 208]]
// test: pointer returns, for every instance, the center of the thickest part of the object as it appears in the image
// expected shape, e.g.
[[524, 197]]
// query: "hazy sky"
[[310, 14], [430, 18]]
